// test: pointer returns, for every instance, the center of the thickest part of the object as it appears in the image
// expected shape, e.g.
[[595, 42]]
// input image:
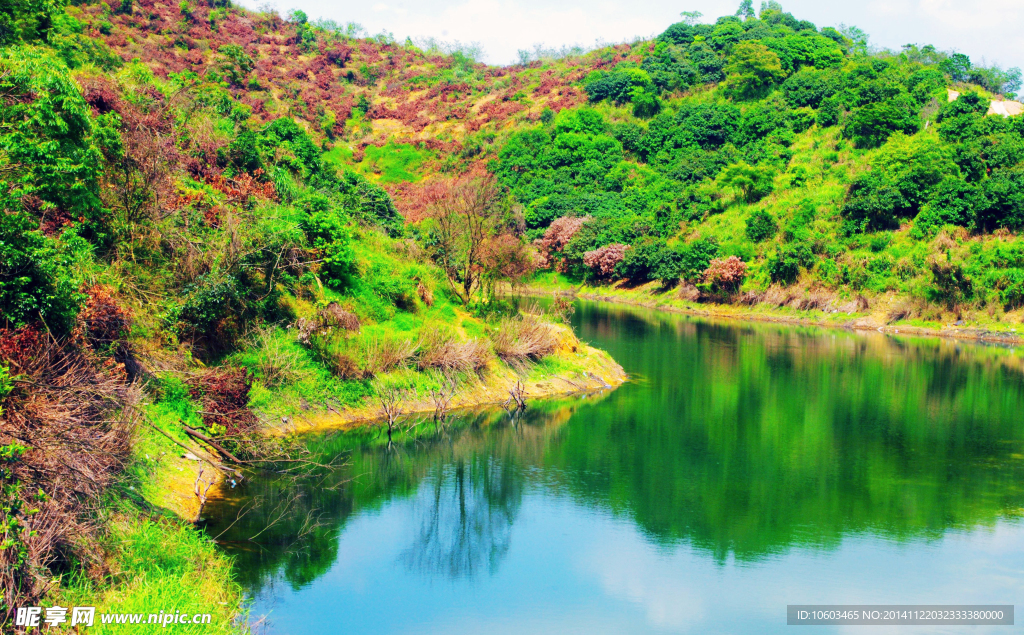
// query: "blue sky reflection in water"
[[748, 467]]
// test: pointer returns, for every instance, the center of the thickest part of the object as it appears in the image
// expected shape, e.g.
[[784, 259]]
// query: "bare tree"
[[465, 216], [442, 396], [202, 492], [516, 397], [389, 397]]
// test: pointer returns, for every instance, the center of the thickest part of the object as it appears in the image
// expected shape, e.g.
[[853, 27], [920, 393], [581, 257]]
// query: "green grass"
[[159, 565], [395, 162], [154, 560]]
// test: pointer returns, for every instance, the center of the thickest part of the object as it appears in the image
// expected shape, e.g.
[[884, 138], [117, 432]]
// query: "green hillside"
[[217, 221]]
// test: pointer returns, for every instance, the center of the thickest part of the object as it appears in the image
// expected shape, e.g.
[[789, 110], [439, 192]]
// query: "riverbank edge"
[[599, 372], [858, 321], [594, 369]]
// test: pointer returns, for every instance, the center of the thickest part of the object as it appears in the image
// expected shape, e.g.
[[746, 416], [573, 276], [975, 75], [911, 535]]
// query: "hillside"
[[221, 226], [826, 168]]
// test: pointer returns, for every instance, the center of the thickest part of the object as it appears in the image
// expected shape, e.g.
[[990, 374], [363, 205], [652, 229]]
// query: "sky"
[[989, 30]]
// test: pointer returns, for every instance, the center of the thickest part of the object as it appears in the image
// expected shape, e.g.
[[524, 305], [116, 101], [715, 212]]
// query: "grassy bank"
[[883, 312], [150, 558]]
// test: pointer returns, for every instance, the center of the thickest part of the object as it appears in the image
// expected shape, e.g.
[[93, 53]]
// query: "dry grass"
[[445, 351], [276, 363], [384, 354], [425, 294], [524, 339], [70, 415], [326, 350], [336, 317]]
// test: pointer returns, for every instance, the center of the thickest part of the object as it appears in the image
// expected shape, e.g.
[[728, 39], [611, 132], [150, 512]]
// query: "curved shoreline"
[[597, 371], [853, 321], [600, 372]]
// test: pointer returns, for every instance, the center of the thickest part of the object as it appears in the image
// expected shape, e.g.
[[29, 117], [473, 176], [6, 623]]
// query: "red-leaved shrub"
[[556, 237], [726, 274], [602, 260]]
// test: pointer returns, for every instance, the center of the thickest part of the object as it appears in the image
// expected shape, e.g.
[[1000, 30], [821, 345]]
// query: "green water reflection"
[[743, 441]]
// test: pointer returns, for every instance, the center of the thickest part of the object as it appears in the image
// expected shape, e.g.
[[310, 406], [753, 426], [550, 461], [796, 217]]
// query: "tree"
[[691, 17], [761, 226], [464, 216], [746, 9], [725, 274], [957, 66], [753, 70], [855, 35], [603, 260], [872, 125], [35, 282], [504, 257], [26, 20]]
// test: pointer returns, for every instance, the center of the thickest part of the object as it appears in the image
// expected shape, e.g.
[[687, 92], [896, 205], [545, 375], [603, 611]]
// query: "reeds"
[[382, 354], [524, 339], [443, 350]]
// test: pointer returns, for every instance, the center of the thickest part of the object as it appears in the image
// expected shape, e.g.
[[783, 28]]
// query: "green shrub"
[[950, 283], [954, 202], [761, 225], [784, 265], [695, 257], [213, 312], [326, 228], [753, 181], [35, 277], [872, 125]]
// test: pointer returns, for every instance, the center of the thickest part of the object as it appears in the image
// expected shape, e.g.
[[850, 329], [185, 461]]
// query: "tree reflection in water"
[[742, 441], [465, 512]]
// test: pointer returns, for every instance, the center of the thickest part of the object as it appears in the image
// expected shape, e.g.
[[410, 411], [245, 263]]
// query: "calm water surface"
[[745, 467]]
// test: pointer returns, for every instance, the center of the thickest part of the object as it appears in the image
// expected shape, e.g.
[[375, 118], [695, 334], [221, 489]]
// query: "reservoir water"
[[743, 468]]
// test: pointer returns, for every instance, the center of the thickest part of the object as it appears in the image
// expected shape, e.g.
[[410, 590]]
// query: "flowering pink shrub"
[[556, 237], [603, 259], [726, 273]]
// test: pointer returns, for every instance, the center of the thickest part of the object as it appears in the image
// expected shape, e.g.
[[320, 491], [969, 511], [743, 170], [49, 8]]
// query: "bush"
[[1012, 293], [327, 230], [951, 284], [753, 181], [649, 260], [522, 339], [761, 226], [444, 350], [696, 257], [872, 125], [784, 265], [753, 70], [211, 312], [725, 274], [874, 205], [332, 353], [954, 202], [35, 282], [1003, 205], [603, 260], [645, 104], [383, 354]]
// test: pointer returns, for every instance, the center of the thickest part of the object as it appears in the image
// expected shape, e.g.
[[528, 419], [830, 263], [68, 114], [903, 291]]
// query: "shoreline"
[[852, 321], [596, 370]]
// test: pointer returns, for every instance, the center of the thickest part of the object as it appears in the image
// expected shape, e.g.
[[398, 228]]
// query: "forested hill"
[[786, 153]]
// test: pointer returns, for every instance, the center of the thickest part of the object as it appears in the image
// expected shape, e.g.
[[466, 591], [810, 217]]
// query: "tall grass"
[[444, 350], [523, 339]]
